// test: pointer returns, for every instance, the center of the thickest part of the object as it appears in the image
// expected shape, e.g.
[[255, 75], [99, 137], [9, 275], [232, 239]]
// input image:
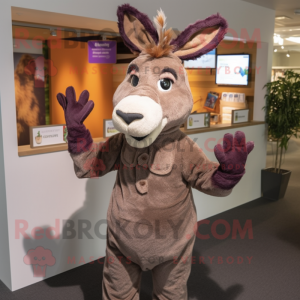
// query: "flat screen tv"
[[232, 69], [206, 61]]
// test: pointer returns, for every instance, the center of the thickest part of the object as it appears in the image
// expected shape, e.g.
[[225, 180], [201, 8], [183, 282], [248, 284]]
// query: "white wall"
[[43, 188], [5, 274], [262, 76]]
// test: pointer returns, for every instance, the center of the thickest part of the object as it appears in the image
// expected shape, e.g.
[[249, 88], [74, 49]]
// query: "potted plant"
[[65, 134], [283, 119], [38, 138]]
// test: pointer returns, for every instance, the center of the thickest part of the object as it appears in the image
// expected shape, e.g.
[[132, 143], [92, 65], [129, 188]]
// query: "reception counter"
[[61, 171], [27, 150], [50, 207]]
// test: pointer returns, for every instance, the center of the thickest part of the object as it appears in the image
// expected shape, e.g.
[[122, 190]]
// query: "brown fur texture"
[[176, 104], [153, 188], [151, 217], [27, 104], [197, 39]]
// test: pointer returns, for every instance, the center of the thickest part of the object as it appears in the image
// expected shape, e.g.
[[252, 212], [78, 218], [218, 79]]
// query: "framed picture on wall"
[[29, 93], [109, 128]]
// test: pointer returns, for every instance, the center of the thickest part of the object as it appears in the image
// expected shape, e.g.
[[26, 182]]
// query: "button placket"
[[141, 173], [143, 160]]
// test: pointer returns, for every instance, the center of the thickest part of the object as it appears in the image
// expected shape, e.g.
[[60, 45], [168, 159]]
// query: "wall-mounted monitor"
[[232, 69], [206, 61]]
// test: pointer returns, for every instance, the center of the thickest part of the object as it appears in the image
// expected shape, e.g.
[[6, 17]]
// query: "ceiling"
[[286, 27]]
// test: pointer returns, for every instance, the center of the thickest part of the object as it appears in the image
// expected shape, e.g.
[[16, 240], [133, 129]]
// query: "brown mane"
[[163, 47]]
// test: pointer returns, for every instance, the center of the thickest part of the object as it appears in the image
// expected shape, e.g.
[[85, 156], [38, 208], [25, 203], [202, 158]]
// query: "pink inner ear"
[[200, 37], [144, 22], [200, 40]]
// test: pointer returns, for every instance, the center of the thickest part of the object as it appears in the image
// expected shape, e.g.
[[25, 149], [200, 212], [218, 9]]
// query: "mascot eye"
[[164, 84], [134, 80]]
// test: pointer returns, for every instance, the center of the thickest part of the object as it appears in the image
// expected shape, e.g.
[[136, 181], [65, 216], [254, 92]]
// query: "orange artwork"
[[71, 61]]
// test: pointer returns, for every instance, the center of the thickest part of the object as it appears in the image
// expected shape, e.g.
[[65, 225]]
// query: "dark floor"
[[274, 252]]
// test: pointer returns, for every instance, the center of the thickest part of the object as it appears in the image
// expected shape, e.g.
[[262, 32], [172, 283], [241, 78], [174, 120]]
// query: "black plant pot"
[[274, 185]]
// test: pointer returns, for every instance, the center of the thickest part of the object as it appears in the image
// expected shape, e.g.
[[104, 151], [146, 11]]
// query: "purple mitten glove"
[[79, 138], [232, 158]]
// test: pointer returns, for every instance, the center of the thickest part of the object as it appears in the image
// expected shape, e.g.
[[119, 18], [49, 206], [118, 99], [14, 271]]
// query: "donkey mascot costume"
[[151, 216]]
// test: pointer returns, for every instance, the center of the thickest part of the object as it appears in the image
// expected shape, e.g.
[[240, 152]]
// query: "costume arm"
[[90, 159], [213, 178], [199, 171], [96, 160]]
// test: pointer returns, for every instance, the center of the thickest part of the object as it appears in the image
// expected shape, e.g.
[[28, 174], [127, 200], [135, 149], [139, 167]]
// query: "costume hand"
[[234, 152], [75, 111]]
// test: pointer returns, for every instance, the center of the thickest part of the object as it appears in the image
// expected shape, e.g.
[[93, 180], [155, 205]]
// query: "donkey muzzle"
[[129, 117], [139, 117]]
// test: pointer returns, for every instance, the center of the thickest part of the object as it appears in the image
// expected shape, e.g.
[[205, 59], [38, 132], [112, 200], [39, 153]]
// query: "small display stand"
[[48, 135], [211, 101], [196, 121], [226, 109], [109, 128], [240, 116]]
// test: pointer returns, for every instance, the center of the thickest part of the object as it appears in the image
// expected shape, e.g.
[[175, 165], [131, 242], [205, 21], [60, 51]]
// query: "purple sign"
[[102, 52]]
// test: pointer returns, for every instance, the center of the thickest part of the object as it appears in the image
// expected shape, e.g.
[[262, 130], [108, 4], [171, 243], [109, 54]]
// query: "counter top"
[[26, 150], [218, 127]]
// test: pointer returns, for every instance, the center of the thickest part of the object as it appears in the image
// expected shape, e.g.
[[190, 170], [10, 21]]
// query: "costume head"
[[155, 97]]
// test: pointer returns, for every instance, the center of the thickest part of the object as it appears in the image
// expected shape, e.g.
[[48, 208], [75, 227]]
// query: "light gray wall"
[[43, 188], [281, 60], [5, 274], [261, 77], [276, 59]]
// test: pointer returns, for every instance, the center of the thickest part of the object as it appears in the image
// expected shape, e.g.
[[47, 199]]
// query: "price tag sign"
[[195, 121], [48, 135], [109, 128], [240, 116]]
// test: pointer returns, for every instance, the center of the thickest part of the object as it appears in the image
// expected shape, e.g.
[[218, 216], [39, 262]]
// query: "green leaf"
[[282, 107]]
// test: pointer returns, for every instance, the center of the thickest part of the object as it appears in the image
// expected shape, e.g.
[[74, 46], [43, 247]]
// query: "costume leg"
[[170, 280], [121, 277]]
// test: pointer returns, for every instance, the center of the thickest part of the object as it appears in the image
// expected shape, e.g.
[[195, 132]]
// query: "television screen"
[[207, 60], [232, 69]]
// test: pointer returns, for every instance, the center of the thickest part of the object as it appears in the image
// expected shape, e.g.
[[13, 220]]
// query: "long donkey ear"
[[200, 38], [135, 28]]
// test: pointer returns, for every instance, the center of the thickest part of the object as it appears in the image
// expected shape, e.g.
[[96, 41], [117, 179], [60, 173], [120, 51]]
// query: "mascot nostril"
[[129, 117], [157, 164]]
